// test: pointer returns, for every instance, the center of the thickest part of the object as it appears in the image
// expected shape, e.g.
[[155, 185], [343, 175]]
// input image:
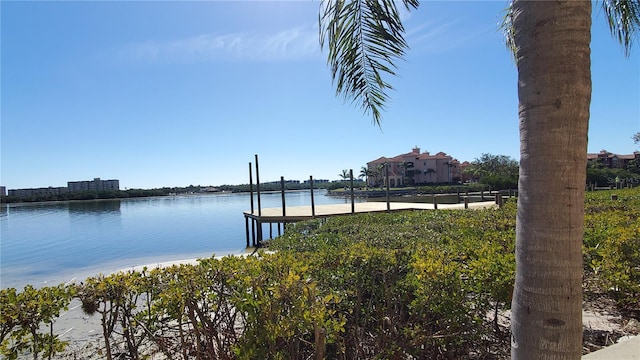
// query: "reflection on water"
[[97, 207]]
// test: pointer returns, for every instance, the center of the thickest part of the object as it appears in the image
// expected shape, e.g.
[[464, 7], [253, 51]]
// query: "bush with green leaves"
[[612, 245], [423, 284], [27, 318]]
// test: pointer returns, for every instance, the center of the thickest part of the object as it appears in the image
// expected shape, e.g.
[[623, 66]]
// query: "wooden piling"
[[313, 206], [386, 174], [253, 232], [258, 223], [353, 206], [246, 218], [246, 228], [284, 206]]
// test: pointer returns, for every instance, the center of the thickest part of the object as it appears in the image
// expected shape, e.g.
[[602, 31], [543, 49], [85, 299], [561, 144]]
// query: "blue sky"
[[175, 93]]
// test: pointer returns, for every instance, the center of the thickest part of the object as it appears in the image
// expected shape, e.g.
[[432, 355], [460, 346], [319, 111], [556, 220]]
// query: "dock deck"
[[301, 213]]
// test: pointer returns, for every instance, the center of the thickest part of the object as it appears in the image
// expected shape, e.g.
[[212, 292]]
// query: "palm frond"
[[506, 26], [365, 38], [623, 17]]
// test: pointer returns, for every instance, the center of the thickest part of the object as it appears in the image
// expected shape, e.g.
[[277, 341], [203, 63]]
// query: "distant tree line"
[[600, 175], [496, 171], [89, 195], [501, 172], [166, 191]]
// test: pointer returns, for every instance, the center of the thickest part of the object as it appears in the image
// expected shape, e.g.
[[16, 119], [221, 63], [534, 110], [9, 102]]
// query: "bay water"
[[50, 243]]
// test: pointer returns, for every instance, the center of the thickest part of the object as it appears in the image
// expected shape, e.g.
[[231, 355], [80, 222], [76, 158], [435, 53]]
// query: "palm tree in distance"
[[365, 173], [551, 46], [345, 175]]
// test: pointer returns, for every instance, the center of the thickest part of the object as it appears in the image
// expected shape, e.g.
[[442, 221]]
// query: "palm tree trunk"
[[554, 87]]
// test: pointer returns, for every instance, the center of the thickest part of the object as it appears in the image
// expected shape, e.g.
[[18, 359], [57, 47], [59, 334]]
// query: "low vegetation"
[[428, 284]]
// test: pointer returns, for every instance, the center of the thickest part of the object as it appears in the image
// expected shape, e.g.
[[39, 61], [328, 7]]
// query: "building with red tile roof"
[[414, 168], [613, 161]]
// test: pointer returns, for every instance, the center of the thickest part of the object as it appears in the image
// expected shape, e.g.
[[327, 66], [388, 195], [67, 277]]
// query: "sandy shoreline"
[[15, 278], [84, 332]]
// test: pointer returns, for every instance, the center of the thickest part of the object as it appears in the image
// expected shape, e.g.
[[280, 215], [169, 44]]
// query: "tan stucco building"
[[414, 168]]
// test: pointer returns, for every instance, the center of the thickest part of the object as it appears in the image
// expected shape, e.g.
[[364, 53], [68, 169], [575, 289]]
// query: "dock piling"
[[313, 206], [284, 205], [353, 206], [386, 175], [258, 223]]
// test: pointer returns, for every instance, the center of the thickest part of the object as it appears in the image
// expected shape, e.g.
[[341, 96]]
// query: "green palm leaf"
[[365, 37], [624, 20]]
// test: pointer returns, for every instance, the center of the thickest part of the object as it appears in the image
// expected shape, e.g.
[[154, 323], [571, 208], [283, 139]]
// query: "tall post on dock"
[[353, 206], [284, 205], [313, 205], [386, 175], [246, 228], [251, 186], [258, 185], [259, 205], [253, 224]]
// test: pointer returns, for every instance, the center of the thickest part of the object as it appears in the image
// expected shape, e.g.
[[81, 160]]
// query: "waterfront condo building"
[[46, 191], [93, 185], [414, 168], [615, 161], [72, 186]]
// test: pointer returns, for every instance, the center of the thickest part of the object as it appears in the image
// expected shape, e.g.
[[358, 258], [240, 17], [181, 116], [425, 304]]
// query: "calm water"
[[49, 243]]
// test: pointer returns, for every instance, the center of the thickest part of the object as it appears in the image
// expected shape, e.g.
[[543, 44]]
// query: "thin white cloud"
[[441, 36], [287, 45]]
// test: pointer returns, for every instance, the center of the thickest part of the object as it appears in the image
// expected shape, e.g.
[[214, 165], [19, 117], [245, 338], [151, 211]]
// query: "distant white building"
[[93, 185], [32, 192], [72, 186]]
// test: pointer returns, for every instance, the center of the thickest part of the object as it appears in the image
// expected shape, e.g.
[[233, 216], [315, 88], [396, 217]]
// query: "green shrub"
[[413, 283], [612, 245], [26, 320]]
